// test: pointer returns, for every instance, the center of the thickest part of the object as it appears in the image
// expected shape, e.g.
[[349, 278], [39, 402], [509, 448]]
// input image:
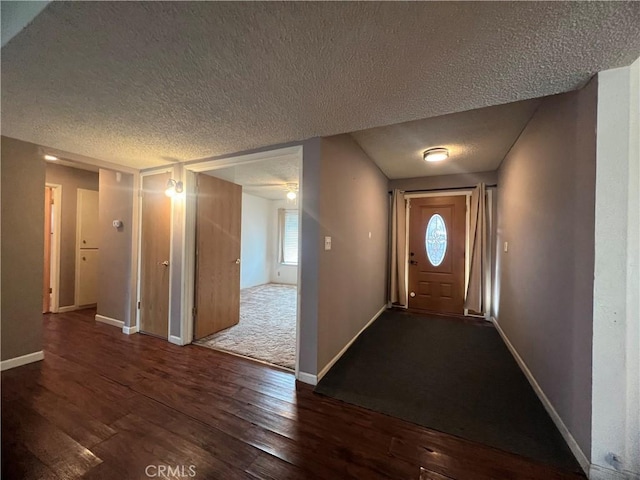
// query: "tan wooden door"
[[437, 229], [154, 255], [218, 220], [46, 279]]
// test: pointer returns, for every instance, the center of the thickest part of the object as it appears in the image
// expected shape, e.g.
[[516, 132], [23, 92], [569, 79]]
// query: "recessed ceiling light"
[[436, 154], [51, 158]]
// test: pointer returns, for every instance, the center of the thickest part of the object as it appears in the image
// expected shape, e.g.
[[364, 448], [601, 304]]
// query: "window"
[[288, 220], [436, 240]]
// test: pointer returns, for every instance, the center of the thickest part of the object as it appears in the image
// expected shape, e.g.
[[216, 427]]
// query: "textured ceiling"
[[477, 141], [147, 83], [266, 179]]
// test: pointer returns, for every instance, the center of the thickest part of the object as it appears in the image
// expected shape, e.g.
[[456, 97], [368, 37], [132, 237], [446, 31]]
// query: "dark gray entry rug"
[[450, 376]]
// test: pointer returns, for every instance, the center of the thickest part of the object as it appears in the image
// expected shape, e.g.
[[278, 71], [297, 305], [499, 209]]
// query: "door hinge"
[[194, 312], [50, 290], [138, 305]]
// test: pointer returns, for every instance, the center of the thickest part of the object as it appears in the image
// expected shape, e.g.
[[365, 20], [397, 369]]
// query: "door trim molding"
[[54, 307]]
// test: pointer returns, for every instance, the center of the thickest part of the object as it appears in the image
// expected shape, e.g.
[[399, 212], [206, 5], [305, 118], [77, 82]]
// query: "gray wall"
[[444, 181], [546, 213], [114, 271], [71, 180], [309, 256], [22, 185], [352, 275]]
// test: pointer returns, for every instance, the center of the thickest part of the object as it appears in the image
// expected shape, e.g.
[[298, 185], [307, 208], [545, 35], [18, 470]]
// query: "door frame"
[[138, 263], [55, 247], [467, 259], [189, 237]]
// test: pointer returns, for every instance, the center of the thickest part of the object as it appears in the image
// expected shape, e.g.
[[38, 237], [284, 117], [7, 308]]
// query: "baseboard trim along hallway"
[[564, 431], [109, 321], [21, 360], [328, 366]]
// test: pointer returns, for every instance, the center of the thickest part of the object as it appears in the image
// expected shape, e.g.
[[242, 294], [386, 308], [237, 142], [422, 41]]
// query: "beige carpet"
[[267, 327]]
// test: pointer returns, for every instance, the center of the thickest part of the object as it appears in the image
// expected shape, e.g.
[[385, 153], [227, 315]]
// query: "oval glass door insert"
[[436, 240]]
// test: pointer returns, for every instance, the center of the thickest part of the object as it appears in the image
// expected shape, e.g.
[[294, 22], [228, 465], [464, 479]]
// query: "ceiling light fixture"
[[51, 158], [174, 187], [435, 154], [292, 189]]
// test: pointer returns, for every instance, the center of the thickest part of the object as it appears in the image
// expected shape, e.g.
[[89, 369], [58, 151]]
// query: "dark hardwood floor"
[[103, 405]]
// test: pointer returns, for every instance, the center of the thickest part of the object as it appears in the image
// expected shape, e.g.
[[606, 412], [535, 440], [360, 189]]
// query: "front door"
[[154, 255], [218, 223], [437, 254]]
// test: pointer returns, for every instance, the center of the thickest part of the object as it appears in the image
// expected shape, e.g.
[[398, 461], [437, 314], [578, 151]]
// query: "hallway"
[[106, 405]]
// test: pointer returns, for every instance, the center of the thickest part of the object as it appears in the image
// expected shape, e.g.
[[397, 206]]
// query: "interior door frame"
[[148, 173], [189, 237], [55, 247], [467, 259]]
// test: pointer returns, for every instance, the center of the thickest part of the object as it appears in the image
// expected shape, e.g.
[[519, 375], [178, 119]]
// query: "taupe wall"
[[352, 275], [114, 271], [444, 181], [546, 213], [309, 256], [22, 178], [71, 180]]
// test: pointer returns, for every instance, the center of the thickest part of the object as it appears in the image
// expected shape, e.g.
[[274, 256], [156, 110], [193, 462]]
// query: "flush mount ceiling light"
[[435, 154], [174, 187], [51, 158], [292, 190]]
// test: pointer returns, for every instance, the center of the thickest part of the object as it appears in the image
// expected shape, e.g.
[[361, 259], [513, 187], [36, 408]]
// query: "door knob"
[[238, 261], [164, 264]]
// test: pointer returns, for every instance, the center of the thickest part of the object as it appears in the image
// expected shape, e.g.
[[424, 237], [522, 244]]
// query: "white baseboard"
[[129, 330], [573, 445], [109, 321], [596, 472], [22, 360], [328, 366], [68, 308], [175, 340], [307, 378]]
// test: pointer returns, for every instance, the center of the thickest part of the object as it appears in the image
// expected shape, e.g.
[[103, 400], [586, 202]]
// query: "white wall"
[[616, 319], [279, 273], [255, 267]]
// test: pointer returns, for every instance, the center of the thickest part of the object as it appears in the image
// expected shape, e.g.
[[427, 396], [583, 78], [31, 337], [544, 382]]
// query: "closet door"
[[88, 277], [88, 234]]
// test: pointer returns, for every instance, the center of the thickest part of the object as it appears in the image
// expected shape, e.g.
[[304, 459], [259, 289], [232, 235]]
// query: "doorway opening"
[[52, 209], [71, 236], [246, 255]]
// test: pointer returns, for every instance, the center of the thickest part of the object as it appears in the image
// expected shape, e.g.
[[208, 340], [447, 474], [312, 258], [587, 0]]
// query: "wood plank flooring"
[[103, 405]]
